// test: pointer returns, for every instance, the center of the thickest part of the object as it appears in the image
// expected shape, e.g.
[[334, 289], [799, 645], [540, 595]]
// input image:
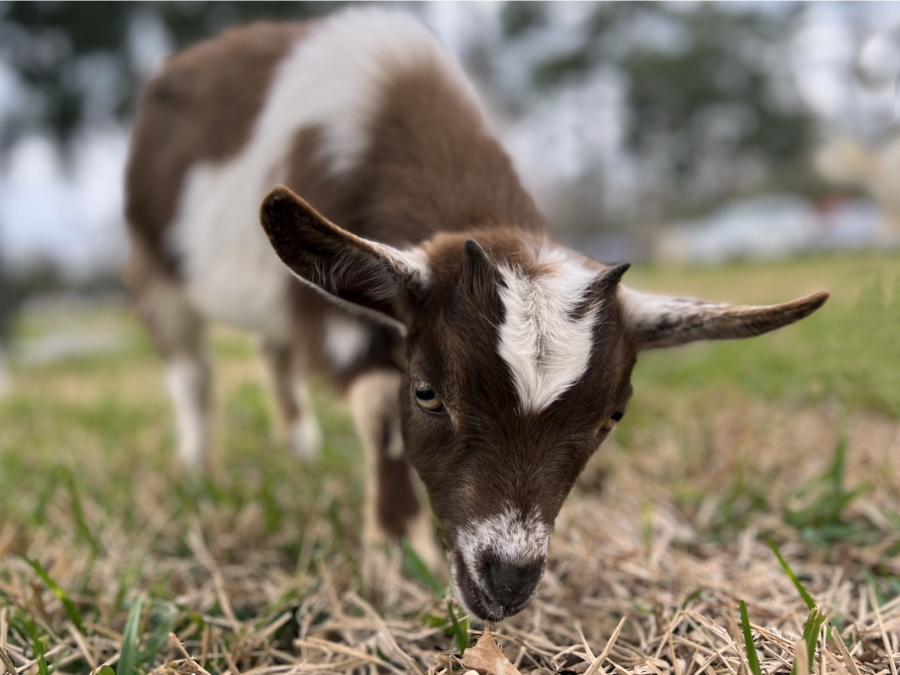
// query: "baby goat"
[[472, 348]]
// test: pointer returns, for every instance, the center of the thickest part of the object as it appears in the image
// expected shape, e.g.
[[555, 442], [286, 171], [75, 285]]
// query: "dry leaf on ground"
[[486, 657]]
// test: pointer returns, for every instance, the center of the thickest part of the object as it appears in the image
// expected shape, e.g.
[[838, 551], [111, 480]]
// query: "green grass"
[[840, 360], [752, 656], [841, 352]]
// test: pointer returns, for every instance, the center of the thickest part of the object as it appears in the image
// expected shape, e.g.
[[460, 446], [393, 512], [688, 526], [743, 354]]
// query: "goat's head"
[[520, 358]]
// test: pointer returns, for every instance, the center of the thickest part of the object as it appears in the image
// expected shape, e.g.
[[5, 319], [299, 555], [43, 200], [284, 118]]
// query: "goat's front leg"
[[177, 331], [395, 496], [298, 426]]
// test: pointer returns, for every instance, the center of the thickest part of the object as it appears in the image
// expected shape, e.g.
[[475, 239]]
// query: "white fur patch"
[[187, 382], [412, 263], [514, 538], [331, 80], [546, 350], [346, 339], [231, 272], [645, 312], [305, 435], [511, 536]]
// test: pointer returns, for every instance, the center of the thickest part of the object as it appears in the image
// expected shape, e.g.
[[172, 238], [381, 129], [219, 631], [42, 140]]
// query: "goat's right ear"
[[370, 276]]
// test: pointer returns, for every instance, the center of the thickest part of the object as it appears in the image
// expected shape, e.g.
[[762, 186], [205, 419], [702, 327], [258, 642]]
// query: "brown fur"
[[200, 108], [430, 168], [531, 460], [396, 500]]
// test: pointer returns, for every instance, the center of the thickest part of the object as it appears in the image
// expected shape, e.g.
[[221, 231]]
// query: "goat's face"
[[520, 357], [518, 368]]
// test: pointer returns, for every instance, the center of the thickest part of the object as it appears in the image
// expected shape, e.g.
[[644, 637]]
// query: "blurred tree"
[[7, 307], [705, 82], [78, 63], [12, 295], [707, 98], [5, 315]]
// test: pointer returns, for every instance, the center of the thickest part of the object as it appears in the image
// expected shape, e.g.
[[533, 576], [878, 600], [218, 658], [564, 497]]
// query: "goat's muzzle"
[[497, 588]]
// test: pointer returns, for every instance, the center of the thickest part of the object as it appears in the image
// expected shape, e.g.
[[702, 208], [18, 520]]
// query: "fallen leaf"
[[487, 659]]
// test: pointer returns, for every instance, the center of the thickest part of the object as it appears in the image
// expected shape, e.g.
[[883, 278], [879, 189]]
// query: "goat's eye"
[[617, 416], [428, 399]]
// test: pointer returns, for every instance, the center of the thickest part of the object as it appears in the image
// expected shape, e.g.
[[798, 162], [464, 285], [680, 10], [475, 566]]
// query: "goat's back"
[[200, 108]]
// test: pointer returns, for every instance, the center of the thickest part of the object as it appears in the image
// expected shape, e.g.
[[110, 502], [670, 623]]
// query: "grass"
[[110, 556]]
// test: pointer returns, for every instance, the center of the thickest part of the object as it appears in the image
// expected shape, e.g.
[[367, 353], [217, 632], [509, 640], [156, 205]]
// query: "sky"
[[73, 215]]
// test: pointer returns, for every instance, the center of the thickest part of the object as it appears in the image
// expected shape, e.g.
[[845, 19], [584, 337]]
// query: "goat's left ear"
[[662, 321], [374, 277]]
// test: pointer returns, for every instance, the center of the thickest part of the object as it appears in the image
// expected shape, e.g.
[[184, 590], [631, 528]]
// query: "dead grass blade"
[[598, 662]]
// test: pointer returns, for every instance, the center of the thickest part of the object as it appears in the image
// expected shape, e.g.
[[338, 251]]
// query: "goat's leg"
[[188, 376], [178, 333], [394, 496], [298, 427]]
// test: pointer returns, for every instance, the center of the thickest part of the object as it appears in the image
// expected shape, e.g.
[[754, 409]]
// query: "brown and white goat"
[[474, 349]]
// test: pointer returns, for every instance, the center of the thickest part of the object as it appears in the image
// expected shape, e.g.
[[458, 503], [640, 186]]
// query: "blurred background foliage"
[[82, 64], [703, 80]]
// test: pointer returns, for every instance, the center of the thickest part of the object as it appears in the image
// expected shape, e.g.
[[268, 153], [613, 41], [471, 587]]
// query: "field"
[[792, 438]]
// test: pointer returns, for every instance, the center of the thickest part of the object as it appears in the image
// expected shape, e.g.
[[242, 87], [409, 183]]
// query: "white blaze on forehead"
[[511, 536], [547, 351]]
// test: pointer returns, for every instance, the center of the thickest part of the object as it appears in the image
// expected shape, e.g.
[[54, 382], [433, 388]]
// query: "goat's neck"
[[435, 168]]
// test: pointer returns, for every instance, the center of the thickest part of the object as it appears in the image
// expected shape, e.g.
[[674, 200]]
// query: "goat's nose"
[[511, 584]]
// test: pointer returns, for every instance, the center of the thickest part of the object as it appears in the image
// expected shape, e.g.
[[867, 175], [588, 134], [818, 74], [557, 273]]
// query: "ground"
[[793, 438]]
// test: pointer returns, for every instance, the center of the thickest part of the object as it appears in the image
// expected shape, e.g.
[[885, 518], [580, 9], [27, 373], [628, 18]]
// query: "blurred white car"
[[853, 223], [762, 228]]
